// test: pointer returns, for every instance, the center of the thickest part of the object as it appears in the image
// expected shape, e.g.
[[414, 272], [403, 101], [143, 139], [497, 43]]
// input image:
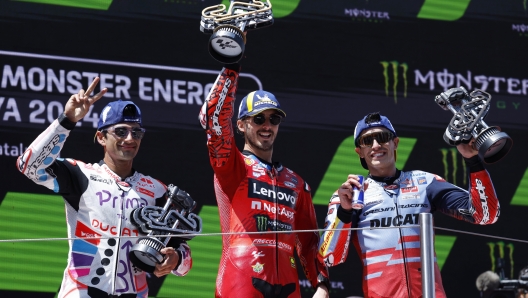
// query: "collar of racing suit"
[[386, 180], [277, 165], [101, 162]]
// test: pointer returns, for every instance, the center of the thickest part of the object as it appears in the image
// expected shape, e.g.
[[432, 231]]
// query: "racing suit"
[[256, 196], [98, 206], [391, 257]]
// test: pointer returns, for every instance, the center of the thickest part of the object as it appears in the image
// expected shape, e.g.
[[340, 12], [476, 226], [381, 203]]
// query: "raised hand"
[[467, 150], [79, 104]]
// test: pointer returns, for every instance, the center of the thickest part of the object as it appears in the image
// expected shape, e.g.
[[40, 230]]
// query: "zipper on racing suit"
[[275, 222], [404, 252]]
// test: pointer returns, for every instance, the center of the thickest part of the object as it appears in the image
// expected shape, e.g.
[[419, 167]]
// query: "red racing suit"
[[391, 257], [256, 196]]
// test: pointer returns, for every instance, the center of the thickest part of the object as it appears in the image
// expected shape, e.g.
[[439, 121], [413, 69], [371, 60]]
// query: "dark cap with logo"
[[118, 112], [370, 121], [258, 101]]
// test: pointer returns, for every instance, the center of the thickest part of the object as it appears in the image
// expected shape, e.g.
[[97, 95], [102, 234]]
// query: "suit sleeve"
[[478, 205], [335, 242], [41, 163], [307, 242], [216, 118]]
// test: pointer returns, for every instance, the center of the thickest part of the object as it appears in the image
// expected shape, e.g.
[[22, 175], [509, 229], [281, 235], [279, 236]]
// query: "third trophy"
[[175, 218], [469, 110]]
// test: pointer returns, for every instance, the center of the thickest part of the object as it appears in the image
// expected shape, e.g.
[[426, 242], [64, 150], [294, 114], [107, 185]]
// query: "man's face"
[[377, 148], [120, 143], [260, 136]]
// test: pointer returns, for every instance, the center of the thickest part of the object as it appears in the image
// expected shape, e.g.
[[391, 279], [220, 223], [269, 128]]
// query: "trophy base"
[[146, 254], [493, 144], [227, 44]]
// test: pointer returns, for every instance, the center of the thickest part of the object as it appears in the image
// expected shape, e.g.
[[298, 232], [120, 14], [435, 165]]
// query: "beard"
[[252, 141]]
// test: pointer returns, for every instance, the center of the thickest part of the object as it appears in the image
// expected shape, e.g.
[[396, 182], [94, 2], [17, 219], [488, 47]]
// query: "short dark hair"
[[373, 117]]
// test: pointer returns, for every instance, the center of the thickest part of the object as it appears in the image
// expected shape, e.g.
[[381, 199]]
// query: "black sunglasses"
[[381, 137], [273, 118], [122, 132]]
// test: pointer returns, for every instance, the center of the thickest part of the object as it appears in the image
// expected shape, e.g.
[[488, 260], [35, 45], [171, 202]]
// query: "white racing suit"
[[391, 257], [98, 206]]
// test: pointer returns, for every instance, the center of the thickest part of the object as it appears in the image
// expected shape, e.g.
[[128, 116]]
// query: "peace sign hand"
[[79, 104]]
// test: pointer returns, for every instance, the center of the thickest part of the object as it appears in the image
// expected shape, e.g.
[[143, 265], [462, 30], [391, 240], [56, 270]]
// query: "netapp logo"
[[272, 209], [261, 190]]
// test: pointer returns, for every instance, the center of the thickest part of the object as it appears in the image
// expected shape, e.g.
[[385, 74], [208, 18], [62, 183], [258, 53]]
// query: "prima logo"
[[450, 163], [392, 69], [499, 264]]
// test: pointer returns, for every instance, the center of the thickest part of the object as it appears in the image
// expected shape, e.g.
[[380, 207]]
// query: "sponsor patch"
[[98, 178], [292, 262], [249, 161], [258, 267], [409, 189], [257, 254], [263, 191], [83, 231], [421, 180], [411, 197], [391, 186], [373, 202], [289, 184], [145, 191], [406, 183], [264, 223]]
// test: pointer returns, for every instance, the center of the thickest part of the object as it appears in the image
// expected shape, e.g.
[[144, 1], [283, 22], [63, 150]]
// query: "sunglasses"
[[122, 132], [381, 137], [260, 119]]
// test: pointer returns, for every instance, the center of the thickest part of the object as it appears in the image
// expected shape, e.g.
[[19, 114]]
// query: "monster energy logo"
[[264, 223], [501, 262], [394, 65], [450, 162]]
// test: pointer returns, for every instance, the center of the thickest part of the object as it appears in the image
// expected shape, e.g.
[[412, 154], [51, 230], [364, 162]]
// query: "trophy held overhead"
[[227, 27]]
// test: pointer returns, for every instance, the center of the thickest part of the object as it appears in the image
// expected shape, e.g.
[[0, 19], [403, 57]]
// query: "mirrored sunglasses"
[[381, 137], [122, 132], [260, 119]]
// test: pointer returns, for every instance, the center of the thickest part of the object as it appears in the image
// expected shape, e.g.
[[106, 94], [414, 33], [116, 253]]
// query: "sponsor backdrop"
[[328, 62]]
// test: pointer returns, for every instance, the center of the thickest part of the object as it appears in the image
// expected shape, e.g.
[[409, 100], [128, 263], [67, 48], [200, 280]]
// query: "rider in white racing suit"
[[98, 204]]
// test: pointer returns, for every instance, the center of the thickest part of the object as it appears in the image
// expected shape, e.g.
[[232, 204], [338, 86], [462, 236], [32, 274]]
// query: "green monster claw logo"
[[262, 223], [500, 246], [394, 65], [451, 154]]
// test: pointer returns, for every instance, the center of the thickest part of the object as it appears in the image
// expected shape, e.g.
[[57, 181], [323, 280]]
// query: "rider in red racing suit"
[[254, 196], [391, 257]]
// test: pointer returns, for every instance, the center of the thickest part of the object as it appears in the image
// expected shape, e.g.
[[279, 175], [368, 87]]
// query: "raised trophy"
[[470, 109], [227, 42], [175, 218]]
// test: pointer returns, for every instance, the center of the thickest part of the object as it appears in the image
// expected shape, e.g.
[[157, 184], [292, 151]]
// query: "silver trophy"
[[175, 218], [227, 42], [468, 122]]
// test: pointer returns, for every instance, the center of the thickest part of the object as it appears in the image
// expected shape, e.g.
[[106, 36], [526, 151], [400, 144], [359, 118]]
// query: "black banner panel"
[[329, 63]]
